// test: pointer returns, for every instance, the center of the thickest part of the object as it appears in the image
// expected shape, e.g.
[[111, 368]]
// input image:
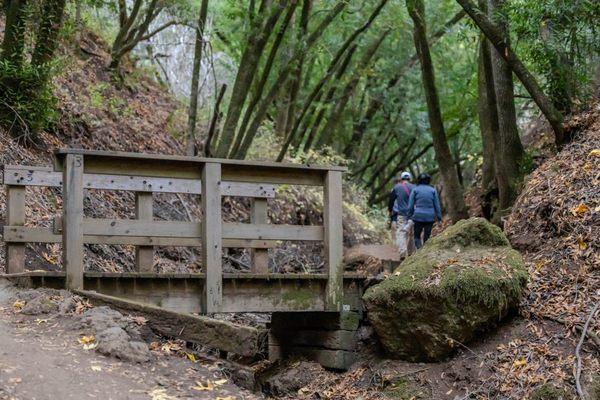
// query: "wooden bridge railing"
[[76, 170]]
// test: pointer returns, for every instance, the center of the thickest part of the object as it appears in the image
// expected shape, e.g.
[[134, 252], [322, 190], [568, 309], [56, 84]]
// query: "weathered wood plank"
[[272, 232], [72, 221], [259, 257], [32, 177], [20, 234], [332, 221], [222, 335], [144, 255], [15, 215], [211, 237]]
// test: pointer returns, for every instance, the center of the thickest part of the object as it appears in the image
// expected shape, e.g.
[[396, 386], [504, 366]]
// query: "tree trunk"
[[267, 100], [328, 99], [214, 122], [329, 71], [496, 36], [510, 152], [257, 40], [193, 110], [454, 193], [258, 91], [376, 102], [488, 126], [14, 35]]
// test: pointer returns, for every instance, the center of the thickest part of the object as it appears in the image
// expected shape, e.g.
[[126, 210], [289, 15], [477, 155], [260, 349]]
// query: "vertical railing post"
[[73, 220], [15, 216], [144, 255], [212, 237], [259, 215], [332, 222]]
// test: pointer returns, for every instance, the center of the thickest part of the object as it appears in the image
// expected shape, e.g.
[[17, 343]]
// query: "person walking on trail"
[[398, 208], [424, 208]]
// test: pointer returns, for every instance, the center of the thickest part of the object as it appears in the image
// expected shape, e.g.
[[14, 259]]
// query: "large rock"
[[460, 283]]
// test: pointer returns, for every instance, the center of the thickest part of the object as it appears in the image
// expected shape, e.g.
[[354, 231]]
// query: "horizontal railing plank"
[[166, 233], [272, 232], [36, 176], [23, 234]]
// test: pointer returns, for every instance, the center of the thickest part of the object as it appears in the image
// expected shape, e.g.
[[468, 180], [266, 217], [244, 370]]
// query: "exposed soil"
[[41, 357]]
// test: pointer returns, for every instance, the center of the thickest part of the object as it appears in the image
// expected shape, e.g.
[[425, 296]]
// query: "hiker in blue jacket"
[[424, 208], [398, 203]]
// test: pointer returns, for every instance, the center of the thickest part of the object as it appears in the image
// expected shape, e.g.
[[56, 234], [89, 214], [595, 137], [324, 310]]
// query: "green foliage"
[[560, 38], [27, 104]]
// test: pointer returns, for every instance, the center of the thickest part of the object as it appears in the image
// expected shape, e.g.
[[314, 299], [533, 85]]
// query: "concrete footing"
[[328, 338]]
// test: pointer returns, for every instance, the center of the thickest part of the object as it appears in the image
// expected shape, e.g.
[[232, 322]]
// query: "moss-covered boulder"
[[460, 283]]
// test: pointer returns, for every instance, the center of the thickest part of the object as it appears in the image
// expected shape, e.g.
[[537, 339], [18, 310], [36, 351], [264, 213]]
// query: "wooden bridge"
[[212, 291]]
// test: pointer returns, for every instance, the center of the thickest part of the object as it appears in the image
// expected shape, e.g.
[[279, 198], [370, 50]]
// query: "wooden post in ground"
[[15, 216], [72, 234], [144, 255], [332, 222], [260, 257], [212, 237]]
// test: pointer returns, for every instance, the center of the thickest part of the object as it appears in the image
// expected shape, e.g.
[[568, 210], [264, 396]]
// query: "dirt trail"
[[40, 358]]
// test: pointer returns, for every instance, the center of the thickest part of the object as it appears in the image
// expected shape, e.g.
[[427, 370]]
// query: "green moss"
[[469, 232], [548, 392], [487, 276], [595, 389], [460, 283], [302, 300]]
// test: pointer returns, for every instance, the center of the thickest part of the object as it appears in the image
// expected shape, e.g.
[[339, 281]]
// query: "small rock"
[[40, 305], [115, 342]]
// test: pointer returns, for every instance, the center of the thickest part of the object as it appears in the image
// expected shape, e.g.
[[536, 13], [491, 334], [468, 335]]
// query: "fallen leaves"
[[580, 210], [209, 385], [18, 305], [88, 342]]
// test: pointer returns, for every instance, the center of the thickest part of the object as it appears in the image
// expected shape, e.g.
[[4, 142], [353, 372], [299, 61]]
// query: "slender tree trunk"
[[488, 126], [332, 65], [497, 38], [511, 152], [339, 106], [257, 40], [193, 110], [376, 102], [14, 35], [296, 74], [214, 122], [328, 99], [454, 193], [267, 100], [258, 91]]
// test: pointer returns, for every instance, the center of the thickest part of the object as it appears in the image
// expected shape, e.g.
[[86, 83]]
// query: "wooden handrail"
[[75, 170]]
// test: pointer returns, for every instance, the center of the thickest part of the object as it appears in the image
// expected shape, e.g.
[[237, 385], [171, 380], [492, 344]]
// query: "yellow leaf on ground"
[[90, 346], [86, 339], [581, 243], [520, 363], [595, 153], [580, 209], [209, 387], [19, 304], [220, 382], [191, 357]]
